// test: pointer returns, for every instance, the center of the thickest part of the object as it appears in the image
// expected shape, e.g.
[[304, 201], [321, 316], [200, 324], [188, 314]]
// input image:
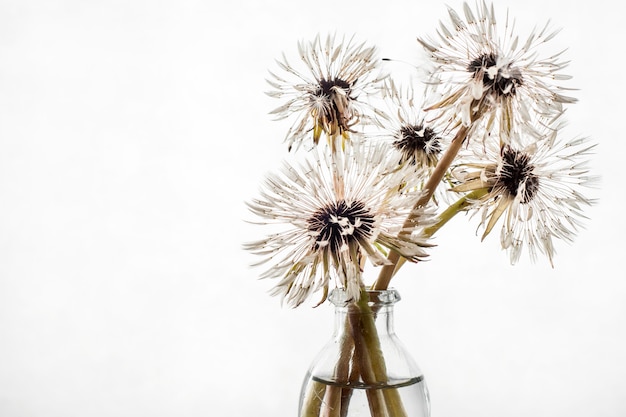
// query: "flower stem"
[[312, 403], [365, 362], [455, 208], [373, 370], [337, 398], [387, 271]]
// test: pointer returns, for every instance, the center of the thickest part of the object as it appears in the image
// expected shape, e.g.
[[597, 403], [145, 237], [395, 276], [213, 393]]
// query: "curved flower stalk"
[[336, 211], [536, 191], [329, 96], [482, 71]]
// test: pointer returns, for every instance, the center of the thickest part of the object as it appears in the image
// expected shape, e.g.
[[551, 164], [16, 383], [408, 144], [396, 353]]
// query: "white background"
[[132, 132]]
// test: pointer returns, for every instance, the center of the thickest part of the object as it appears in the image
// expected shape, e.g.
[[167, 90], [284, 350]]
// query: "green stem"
[[458, 206]]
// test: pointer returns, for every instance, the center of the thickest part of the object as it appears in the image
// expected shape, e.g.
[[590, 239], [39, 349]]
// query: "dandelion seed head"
[[334, 212], [327, 93], [535, 192], [483, 77], [417, 141]]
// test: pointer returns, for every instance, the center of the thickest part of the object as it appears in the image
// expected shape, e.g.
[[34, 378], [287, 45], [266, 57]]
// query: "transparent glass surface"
[[364, 370]]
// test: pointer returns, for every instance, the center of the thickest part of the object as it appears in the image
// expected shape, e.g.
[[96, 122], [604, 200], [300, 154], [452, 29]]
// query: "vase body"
[[364, 370]]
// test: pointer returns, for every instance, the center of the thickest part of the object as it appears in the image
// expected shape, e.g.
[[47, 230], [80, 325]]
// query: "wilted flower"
[[490, 79], [537, 190], [329, 95], [336, 211], [417, 141]]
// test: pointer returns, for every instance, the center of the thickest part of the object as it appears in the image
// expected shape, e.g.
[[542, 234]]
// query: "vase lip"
[[390, 296]]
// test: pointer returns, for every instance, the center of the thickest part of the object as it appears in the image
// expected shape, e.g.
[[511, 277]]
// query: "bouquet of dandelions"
[[384, 172]]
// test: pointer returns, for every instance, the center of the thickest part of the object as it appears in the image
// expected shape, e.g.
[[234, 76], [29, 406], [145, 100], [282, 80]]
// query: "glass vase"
[[364, 370]]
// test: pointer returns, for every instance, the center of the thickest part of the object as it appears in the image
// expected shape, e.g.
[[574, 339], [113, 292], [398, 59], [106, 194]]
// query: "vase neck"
[[379, 304]]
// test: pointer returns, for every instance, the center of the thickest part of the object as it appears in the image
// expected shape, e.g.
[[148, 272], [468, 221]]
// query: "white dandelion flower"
[[418, 142], [415, 141], [328, 96], [537, 191], [487, 77], [334, 212]]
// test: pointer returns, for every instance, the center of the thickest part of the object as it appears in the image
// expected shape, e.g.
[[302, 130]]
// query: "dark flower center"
[[415, 139], [517, 174], [502, 81], [326, 87], [336, 93], [341, 222]]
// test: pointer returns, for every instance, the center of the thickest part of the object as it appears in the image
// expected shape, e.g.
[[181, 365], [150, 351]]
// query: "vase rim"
[[390, 296]]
